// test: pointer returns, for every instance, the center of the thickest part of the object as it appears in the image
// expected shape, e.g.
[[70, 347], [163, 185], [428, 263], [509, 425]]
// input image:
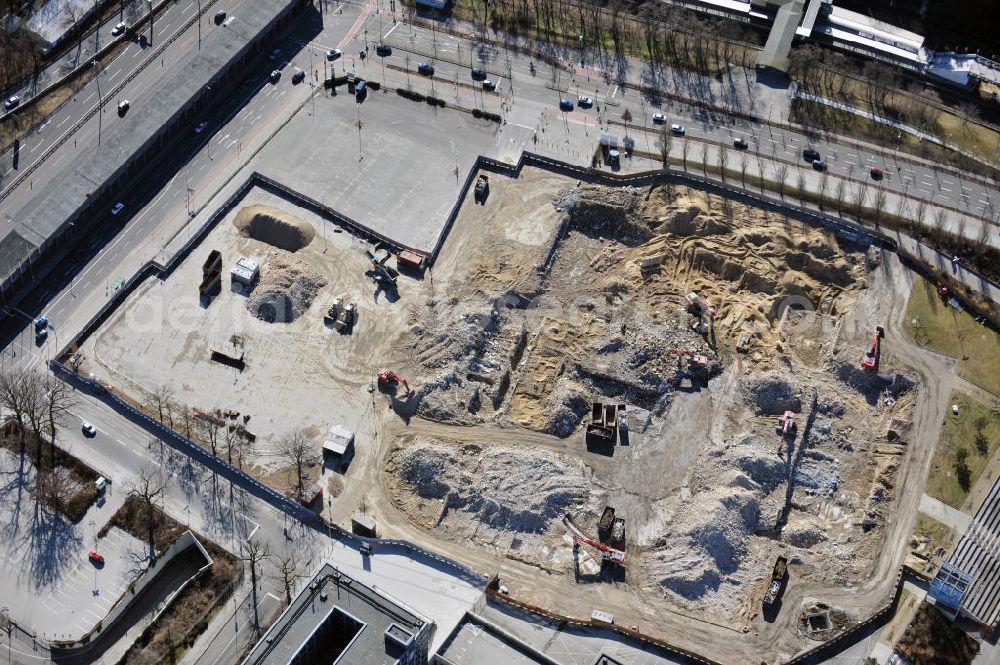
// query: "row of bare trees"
[[34, 404]]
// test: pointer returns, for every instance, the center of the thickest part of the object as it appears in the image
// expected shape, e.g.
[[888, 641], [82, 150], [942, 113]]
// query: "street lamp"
[[100, 100]]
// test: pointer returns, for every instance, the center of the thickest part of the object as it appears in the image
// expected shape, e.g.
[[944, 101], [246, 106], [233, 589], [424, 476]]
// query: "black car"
[[298, 76], [565, 105], [220, 16], [383, 50], [489, 86], [819, 165], [740, 144], [811, 155], [425, 69], [478, 74]]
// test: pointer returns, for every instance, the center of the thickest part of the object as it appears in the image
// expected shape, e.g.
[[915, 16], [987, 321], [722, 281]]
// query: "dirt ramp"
[[275, 227]]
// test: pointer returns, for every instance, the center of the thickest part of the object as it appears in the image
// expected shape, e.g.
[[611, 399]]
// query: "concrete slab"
[[944, 513]]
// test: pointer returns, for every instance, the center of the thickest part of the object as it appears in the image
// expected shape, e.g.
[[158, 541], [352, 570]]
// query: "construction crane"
[[387, 378], [608, 553], [385, 276], [870, 360]]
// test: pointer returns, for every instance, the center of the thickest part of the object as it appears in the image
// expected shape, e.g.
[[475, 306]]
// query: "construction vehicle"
[[334, 312], [410, 259], [383, 275], [777, 577], [786, 424], [608, 553], [605, 525], [389, 379], [870, 360], [697, 305], [348, 316], [482, 188], [695, 360], [603, 421]]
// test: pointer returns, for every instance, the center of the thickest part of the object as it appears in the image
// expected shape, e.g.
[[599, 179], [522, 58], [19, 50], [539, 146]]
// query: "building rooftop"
[[336, 619]]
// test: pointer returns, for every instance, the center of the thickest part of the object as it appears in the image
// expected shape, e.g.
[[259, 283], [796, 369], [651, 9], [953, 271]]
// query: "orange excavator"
[[607, 553], [387, 378]]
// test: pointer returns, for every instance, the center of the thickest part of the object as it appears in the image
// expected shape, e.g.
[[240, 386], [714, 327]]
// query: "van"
[[101, 484], [360, 89]]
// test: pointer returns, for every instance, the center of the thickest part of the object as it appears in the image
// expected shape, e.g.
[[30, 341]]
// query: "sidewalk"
[[232, 630]]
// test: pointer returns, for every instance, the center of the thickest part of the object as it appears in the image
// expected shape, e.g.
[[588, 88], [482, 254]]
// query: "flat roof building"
[[337, 620]]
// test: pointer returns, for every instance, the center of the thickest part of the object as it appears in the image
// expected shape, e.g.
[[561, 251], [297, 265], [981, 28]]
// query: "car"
[[118, 208], [333, 54], [478, 74], [740, 144], [88, 429], [220, 16], [298, 76], [425, 69], [11, 102], [118, 29], [659, 118], [811, 154], [565, 105], [201, 127], [41, 322], [489, 85], [584, 102], [383, 50], [122, 108], [41, 335], [360, 90], [876, 173], [95, 558], [678, 129], [819, 165], [274, 54], [275, 75]]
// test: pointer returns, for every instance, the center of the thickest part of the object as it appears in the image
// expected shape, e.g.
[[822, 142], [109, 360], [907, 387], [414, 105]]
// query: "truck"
[[777, 578], [482, 188], [605, 525]]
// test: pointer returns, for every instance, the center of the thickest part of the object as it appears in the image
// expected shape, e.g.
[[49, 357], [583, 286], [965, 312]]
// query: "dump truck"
[[482, 188], [777, 578]]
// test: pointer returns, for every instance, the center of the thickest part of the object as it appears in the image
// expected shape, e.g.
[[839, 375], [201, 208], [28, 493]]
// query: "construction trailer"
[[339, 444], [245, 272], [363, 525], [410, 259]]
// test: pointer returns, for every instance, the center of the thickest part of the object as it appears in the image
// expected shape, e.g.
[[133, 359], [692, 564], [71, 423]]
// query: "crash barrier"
[[180, 547]]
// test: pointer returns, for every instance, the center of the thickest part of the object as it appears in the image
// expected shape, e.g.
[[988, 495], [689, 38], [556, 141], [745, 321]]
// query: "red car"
[[95, 558]]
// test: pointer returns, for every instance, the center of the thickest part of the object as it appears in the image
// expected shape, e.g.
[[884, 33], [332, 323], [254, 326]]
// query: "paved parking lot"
[[49, 583]]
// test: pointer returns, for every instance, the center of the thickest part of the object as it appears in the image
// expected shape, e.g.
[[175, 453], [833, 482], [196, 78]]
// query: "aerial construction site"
[[643, 400]]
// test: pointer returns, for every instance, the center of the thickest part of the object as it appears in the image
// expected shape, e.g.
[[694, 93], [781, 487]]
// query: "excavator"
[[870, 359], [696, 360], [385, 276], [608, 553], [387, 379]]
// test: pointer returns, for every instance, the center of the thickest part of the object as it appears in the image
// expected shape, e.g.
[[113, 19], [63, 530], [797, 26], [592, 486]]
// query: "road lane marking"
[[115, 74]]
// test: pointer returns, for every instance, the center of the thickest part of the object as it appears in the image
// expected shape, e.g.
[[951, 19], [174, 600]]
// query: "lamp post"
[[100, 101]]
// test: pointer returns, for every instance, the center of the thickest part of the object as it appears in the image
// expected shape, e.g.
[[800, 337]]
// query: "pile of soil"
[[286, 289], [275, 227]]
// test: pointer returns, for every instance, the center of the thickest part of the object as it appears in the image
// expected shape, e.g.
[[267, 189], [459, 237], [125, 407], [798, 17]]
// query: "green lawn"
[[975, 430], [938, 326], [936, 532]]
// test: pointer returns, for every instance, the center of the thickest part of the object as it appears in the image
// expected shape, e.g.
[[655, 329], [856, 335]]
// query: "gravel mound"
[[286, 289], [605, 212], [772, 394], [275, 227], [497, 487]]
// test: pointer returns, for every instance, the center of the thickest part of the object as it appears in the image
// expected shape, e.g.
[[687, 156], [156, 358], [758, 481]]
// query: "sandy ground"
[[504, 354]]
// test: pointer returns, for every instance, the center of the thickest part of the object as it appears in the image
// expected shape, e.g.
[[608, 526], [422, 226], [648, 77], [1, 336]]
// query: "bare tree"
[[663, 143], [723, 157], [211, 428], [187, 419], [824, 182], [919, 217], [16, 397], [54, 487], [289, 571], [626, 118], [841, 192], [147, 491], [800, 185], [685, 146], [59, 399], [255, 554], [744, 163], [860, 198], [296, 449], [159, 399], [781, 173], [704, 158], [879, 203]]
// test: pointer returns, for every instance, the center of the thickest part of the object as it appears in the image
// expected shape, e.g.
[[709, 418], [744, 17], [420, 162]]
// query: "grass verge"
[[65, 484], [938, 326], [968, 441], [930, 534]]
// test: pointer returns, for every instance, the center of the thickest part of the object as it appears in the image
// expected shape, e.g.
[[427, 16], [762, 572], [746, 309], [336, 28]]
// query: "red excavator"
[[607, 553], [870, 360], [695, 359], [387, 378]]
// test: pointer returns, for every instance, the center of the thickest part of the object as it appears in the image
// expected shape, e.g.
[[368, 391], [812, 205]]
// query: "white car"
[[659, 118], [11, 102], [118, 208], [584, 102], [118, 29], [201, 127], [88, 429], [678, 129]]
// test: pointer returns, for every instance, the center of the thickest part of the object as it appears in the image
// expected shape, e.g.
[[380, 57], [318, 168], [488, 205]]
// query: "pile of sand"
[[275, 227], [286, 289]]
